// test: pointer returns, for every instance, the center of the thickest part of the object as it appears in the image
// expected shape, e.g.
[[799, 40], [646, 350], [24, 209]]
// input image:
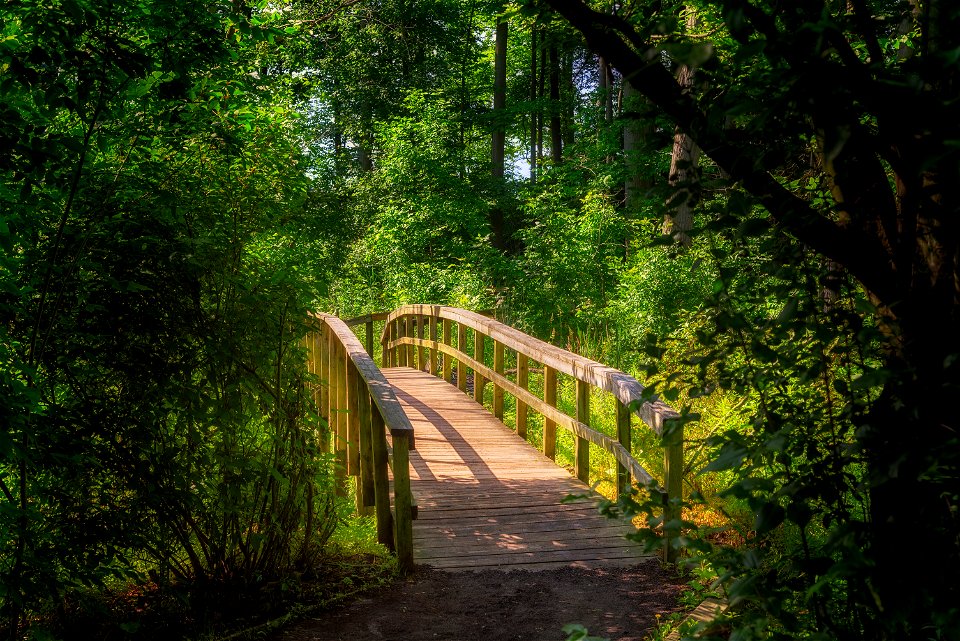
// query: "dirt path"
[[617, 603]]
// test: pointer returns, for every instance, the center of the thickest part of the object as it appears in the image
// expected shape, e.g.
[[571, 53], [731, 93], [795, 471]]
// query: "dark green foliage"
[[154, 427]]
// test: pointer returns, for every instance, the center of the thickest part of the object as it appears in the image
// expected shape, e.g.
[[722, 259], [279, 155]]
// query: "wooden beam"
[[478, 353], [582, 445], [549, 425], [462, 349], [447, 360], [624, 438], [523, 379], [432, 364], [497, 388], [366, 496]]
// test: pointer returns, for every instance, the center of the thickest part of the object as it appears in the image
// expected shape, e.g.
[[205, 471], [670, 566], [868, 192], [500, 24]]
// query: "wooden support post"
[[447, 362], [403, 500], [368, 343], [549, 426], [433, 351], [523, 379], [404, 350], [339, 422], [411, 350], [385, 360], [381, 479], [478, 381], [461, 367], [582, 445], [421, 352], [366, 496], [623, 436], [328, 390], [673, 483], [497, 389], [353, 420]]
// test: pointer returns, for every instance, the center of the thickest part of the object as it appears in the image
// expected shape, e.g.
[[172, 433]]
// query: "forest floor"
[[622, 604]]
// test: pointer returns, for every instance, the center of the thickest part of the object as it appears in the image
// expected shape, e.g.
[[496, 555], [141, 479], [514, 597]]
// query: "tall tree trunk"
[[683, 177], [606, 90], [636, 132], [556, 132], [498, 141], [498, 138], [534, 115], [568, 99], [541, 93]]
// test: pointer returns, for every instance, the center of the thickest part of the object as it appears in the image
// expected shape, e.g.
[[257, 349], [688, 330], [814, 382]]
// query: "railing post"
[[411, 333], [497, 389], [478, 380], [353, 421], [385, 361], [421, 351], [368, 343], [447, 364], [673, 482], [523, 376], [338, 413], [582, 445], [402, 349], [402, 499], [461, 366], [433, 350], [623, 436], [549, 426], [366, 492], [381, 479], [323, 406]]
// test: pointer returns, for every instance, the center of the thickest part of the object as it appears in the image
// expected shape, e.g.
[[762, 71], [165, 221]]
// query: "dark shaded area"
[[619, 603]]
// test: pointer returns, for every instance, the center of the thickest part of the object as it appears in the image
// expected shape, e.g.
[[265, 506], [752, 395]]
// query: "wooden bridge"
[[450, 484]]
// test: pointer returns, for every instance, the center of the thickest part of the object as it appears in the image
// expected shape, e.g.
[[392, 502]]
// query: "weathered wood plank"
[[487, 498]]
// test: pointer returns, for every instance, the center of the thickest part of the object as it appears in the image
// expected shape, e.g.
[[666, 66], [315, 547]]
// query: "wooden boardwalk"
[[489, 500]]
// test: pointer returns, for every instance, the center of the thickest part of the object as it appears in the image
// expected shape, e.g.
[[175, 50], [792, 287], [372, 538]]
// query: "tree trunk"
[[534, 121], [498, 141], [556, 131], [684, 169]]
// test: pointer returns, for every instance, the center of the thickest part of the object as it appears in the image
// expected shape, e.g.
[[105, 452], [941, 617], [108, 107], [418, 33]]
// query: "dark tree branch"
[[860, 253]]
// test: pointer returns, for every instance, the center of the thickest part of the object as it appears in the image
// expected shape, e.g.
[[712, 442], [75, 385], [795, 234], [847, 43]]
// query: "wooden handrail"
[[359, 405], [400, 344]]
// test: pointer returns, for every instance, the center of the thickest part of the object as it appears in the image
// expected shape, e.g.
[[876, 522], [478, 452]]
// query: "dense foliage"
[[183, 181]]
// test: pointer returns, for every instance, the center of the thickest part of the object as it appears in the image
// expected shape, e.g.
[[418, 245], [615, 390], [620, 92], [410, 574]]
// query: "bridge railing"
[[417, 336], [360, 406]]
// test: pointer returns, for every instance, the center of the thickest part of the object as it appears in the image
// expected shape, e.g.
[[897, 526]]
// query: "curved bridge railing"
[[422, 336], [360, 406]]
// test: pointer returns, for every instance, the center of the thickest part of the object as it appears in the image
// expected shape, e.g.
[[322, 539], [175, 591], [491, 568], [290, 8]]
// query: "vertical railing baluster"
[[368, 343], [582, 445], [497, 388], [447, 361], [673, 484], [550, 398], [421, 351], [523, 376], [433, 350], [353, 420], [402, 498], [339, 422], [366, 496], [461, 366], [478, 380], [381, 480], [624, 437]]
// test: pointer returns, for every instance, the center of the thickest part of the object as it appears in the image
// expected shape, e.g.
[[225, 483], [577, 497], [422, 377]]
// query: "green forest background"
[[751, 206]]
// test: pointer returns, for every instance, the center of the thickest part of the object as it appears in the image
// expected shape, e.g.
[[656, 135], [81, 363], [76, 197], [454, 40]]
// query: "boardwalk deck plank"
[[488, 499]]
